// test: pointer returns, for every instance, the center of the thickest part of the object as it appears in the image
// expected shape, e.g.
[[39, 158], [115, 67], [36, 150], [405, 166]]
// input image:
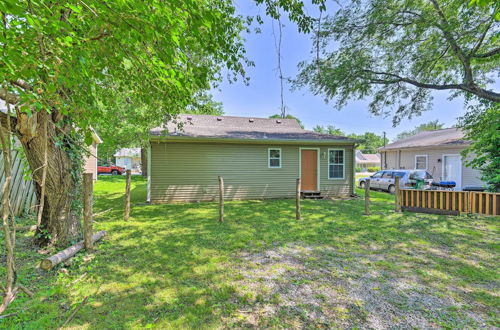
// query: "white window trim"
[[426, 162], [269, 158], [343, 163]]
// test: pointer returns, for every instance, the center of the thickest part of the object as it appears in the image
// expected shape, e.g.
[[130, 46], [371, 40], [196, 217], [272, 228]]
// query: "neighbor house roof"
[[128, 152], [240, 128], [362, 158], [442, 137]]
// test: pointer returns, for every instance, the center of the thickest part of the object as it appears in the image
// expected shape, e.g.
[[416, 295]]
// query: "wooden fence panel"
[[22, 194], [450, 202]]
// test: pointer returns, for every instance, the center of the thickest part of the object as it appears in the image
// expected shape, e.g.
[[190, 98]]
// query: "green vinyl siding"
[[189, 171]]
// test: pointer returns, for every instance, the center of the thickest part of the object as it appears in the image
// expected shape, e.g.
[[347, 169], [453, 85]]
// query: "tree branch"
[[8, 96], [492, 52], [476, 90]]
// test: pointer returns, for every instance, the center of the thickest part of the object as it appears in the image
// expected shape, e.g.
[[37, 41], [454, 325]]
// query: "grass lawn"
[[175, 266]]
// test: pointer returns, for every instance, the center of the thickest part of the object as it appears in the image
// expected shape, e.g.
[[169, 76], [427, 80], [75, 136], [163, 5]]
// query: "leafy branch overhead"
[[396, 52]]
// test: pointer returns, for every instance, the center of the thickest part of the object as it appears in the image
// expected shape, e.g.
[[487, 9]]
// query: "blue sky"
[[262, 97]]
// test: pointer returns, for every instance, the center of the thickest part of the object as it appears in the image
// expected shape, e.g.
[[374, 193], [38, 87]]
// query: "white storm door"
[[452, 169]]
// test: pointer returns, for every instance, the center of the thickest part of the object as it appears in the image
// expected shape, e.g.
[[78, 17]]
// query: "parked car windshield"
[[377, 175], [420, 175]]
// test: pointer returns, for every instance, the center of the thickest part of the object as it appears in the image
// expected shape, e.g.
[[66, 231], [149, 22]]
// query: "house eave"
[[186, 139], [436, 146]]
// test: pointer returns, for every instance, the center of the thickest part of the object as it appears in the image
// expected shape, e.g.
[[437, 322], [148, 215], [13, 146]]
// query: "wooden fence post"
[[397, 196], [221, 199], [297, 201], [127, 195], [367, 197], [88, 181]]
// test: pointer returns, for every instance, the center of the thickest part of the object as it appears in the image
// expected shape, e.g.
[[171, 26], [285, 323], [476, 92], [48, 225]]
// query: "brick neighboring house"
[[365, 161], [438, 152]]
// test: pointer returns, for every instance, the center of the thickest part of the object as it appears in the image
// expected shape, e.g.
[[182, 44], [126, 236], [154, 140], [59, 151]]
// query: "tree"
[[288, 117], [482, 128], [332, 130], [118, 133], [370, 142], [430, 126], [397, 52], [106, 64]]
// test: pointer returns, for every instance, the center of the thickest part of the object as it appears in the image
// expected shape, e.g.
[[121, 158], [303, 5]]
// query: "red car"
[[110, 169]]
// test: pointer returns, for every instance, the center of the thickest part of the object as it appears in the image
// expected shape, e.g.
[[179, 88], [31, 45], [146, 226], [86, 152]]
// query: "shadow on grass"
[[176, 266]]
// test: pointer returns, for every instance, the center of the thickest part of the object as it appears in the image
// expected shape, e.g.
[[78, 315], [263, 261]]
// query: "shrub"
[[358, 169], [373, 169]]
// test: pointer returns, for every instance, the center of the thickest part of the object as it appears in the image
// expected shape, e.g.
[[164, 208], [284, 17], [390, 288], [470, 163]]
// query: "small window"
[[421, 162], [274, 160], [336, 163], [387, 175]]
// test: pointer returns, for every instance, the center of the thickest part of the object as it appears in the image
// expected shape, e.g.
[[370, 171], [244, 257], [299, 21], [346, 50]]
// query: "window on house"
[[336, 163], [421, 162], [274, 160]]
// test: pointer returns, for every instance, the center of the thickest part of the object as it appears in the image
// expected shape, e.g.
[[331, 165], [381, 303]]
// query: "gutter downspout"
[[148, 199]]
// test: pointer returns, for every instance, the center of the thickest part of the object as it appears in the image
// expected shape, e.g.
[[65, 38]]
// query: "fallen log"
[[56, 259]]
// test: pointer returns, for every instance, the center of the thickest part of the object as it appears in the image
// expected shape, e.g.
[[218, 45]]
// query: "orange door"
[[309, 170]]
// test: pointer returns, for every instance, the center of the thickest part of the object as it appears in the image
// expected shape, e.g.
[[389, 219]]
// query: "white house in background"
[[364, 161], [437, 152], [129, 158]]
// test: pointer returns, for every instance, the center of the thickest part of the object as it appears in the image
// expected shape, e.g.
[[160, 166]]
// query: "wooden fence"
[[450, 202], [22, 194]]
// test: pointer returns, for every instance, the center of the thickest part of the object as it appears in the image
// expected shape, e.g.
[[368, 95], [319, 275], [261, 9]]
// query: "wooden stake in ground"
[[88, 181], [367, 197], [56, 259], [221, 199], [397, 196], [297, 201], [127, 195]]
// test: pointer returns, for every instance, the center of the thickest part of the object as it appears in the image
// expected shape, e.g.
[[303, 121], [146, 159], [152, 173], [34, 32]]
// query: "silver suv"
[[384, 180]]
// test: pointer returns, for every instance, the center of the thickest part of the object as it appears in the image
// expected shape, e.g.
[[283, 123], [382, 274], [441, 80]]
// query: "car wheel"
[[362, 185], [392, 189], [114, 172]]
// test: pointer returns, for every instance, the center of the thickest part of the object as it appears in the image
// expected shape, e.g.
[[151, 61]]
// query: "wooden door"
[[309, 170]]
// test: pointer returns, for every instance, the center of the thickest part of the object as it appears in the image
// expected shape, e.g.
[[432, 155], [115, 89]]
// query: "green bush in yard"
[[373, 169]]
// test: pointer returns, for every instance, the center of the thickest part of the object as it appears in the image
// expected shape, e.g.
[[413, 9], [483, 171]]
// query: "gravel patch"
[[302, 286]]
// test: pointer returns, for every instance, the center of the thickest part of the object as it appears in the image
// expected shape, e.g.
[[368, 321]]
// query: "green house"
[[258, 158]]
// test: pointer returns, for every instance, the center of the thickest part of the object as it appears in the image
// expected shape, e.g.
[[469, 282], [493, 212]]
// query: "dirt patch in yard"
[[299, 286]]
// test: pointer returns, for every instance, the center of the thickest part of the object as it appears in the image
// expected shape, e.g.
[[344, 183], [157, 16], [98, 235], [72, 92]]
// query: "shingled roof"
[[248, 128], [441, 137]]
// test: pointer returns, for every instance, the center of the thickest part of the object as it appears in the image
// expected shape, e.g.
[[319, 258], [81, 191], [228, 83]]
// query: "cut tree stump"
[[56, 259]]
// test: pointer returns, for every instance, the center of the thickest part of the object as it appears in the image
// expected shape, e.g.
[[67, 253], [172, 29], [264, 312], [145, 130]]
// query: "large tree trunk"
[[60, 222]]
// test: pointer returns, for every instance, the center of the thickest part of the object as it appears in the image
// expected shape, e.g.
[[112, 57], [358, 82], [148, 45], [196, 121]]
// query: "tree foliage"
[[277, 116], [396, 52], [430, 126], [369, 141], [482, 128], [86, 60], [330, 129]]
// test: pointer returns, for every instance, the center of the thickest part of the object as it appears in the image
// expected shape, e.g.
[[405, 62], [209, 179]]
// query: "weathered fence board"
[[22, 194], [450, 202]]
